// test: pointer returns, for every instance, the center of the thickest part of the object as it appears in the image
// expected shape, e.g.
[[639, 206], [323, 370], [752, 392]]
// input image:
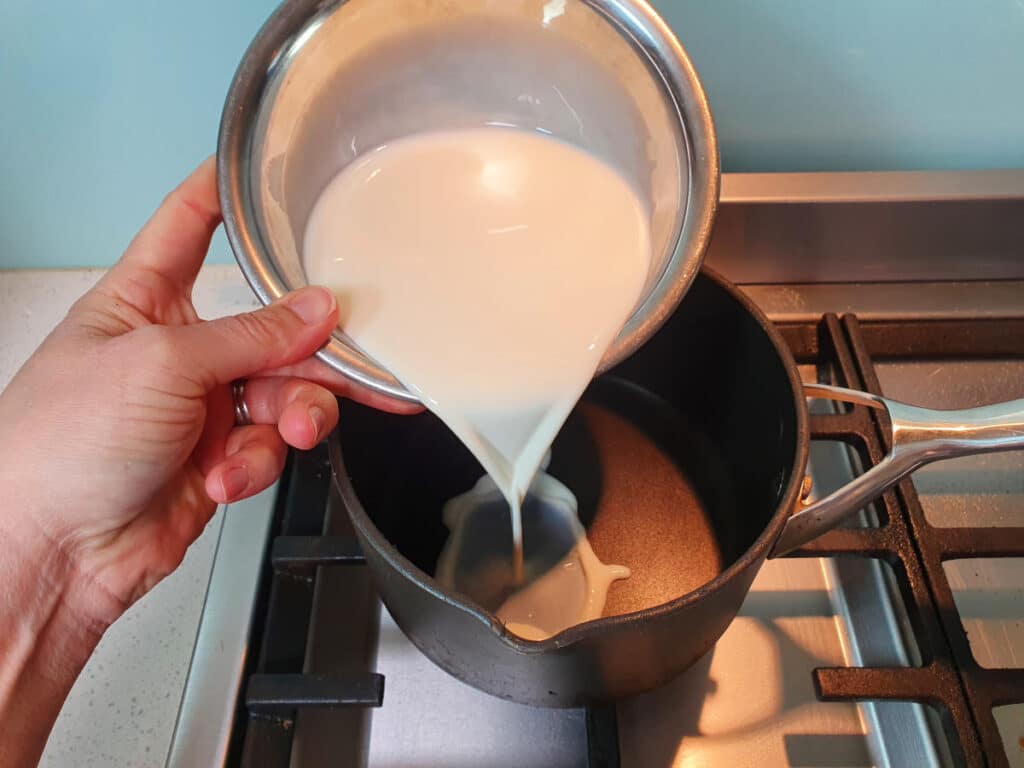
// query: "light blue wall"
[[807, 85], [106, 104]]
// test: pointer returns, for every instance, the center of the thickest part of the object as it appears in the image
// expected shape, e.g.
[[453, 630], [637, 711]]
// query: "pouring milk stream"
[[489, 270]]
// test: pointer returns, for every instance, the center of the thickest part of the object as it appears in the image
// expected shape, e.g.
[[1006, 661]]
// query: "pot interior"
[[679, 457]]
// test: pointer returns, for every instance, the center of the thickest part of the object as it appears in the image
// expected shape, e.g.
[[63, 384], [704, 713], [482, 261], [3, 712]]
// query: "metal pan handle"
[[919, 436]]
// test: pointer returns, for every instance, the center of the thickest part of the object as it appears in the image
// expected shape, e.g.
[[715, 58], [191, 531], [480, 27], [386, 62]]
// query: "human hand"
[[118, 436]]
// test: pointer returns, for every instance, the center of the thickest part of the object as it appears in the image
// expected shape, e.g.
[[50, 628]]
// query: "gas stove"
[[897, 641]]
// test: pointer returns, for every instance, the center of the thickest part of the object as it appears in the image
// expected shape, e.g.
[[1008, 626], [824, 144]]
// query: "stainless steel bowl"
[[324, 82]]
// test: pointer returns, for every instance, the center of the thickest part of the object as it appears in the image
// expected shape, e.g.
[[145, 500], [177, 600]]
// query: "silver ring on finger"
[[242, 416]]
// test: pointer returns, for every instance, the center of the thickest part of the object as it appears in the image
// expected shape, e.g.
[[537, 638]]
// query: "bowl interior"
[[363, 73]]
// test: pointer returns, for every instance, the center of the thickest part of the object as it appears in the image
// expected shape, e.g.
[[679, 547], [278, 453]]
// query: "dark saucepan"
[[687, 461]]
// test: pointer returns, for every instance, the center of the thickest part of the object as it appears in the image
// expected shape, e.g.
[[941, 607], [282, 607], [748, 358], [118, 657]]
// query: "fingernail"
[[312, 305], [319, 419], [234, 482]]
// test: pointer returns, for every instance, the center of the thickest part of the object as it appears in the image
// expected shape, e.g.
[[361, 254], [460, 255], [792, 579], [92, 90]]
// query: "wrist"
[[42, 591], [47, 610], [51, 624], [55, 615], [38, 542]]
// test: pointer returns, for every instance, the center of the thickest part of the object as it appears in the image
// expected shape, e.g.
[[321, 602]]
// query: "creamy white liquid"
[[565, 585], [489, 270]]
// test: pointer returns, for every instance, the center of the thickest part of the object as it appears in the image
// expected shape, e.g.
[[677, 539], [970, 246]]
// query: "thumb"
[[234, 347]]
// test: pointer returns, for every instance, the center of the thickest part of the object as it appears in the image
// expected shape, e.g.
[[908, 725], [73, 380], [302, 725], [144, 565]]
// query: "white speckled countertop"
[[122, 710]]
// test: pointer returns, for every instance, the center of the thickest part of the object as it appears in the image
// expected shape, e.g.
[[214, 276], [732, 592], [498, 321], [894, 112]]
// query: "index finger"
[[174, 242]]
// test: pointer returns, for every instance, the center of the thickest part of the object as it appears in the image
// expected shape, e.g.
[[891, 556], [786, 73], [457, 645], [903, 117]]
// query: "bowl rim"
[[271, 51]]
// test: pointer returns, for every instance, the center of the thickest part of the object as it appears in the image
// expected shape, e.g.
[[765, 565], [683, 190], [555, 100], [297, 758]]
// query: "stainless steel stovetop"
[[794, 242]]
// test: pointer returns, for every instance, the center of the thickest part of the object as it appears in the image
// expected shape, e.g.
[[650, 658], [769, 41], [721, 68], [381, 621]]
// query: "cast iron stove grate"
[[276, 687], [949, 678]]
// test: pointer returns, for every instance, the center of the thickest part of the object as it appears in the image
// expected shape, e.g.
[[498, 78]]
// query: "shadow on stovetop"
[[773, 683]]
